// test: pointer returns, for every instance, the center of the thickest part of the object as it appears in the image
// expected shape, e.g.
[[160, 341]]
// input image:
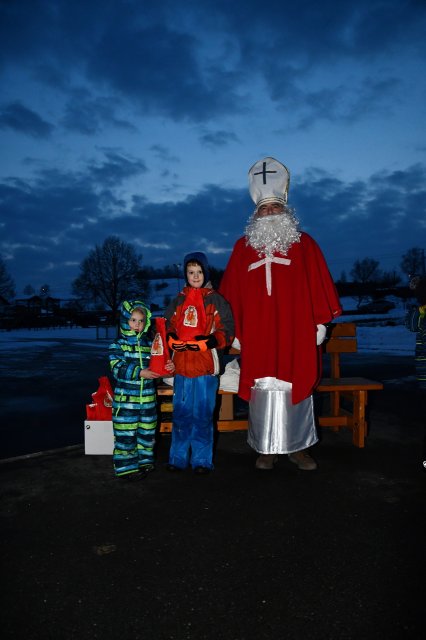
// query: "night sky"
[[141, 119]]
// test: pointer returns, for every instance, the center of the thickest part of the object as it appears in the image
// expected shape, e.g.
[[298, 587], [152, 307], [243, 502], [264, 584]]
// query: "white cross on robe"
[[267, 261]]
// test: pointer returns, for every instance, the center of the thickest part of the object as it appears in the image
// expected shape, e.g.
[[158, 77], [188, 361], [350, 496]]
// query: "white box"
[[98, 437]]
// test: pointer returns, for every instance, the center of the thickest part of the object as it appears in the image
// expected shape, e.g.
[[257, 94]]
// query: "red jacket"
[[218, 321]]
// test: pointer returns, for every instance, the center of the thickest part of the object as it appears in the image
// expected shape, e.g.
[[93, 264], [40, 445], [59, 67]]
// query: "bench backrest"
[[342, 339]]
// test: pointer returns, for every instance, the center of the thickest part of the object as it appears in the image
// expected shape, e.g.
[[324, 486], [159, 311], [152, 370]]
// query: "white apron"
[[275, 424]]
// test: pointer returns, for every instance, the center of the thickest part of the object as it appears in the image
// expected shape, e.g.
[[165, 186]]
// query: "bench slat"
[[348, 384], [341, 345], [343, 329]]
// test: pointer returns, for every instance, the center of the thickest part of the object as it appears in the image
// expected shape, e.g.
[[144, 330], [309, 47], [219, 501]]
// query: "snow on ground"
[[389, 340], [27, 338], [381, 333]]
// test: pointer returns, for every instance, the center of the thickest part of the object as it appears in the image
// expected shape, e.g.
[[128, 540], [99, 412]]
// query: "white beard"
[[274, 233]]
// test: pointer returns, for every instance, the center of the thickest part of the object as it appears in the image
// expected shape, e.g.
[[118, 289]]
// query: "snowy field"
[[385, 334], [381, 333]]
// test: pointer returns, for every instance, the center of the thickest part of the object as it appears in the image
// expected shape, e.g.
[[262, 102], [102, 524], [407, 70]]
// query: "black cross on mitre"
[[264, 172]]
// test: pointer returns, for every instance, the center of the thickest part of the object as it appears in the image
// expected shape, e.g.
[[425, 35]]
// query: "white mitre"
[[269, 181]]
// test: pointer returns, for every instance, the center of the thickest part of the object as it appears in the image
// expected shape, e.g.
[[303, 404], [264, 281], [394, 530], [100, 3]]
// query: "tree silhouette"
[[413, 262], [7, 285], [390, 279], [111, 273], [366, 270]]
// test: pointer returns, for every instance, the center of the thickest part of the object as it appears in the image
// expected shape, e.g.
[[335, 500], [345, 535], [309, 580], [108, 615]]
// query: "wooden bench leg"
[[359, 425], [335, 407], [226, 407]]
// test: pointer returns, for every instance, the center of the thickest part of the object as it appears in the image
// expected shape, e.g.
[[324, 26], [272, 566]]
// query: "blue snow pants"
[[194, 400]]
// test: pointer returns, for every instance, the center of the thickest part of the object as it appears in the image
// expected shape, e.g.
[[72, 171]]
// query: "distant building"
[[39, 304]]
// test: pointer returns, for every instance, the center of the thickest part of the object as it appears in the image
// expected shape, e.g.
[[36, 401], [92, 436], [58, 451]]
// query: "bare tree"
[[111, 273], [366, 270], [390, 279], [7, 285], [413, 262]]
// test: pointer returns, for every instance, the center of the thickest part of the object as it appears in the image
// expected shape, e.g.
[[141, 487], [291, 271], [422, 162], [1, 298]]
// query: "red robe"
[[278, 332]]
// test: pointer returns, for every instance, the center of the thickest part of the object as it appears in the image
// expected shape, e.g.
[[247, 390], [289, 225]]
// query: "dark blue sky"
[[141, 120]]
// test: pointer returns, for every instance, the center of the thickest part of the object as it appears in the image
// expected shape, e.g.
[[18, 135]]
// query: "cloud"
[[160, 70], [163, 153], [19, 118], [91, 115], [380, 217], [309, 33], [116, 168], [194, 63], [218, 138], [345, 104], [53, 222]]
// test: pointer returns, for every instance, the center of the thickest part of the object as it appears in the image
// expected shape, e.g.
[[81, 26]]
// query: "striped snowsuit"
[[134, 410]]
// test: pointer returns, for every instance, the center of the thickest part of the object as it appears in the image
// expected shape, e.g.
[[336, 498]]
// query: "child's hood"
[[126, 309]]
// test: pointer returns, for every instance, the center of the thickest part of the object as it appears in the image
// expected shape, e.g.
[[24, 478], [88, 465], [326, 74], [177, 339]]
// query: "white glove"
[[321, 333]]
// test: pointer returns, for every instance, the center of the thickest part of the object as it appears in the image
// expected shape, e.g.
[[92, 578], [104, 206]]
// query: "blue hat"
[[201, 259]]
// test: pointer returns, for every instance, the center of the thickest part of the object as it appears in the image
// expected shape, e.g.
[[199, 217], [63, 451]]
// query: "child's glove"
[[174, 343], [202, 343]]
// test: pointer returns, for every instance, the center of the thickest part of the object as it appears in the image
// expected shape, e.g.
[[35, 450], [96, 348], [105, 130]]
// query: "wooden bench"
[[346, 401], [352, 392]]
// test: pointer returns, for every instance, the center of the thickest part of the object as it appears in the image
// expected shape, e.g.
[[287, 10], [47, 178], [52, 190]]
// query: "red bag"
[[192, 318], [159, 350], [101, 407]]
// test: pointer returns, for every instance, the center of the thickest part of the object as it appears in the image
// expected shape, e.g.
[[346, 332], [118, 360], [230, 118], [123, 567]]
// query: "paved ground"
[[240, 554]]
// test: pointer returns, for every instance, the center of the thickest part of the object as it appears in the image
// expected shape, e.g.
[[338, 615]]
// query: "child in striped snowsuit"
[[134, 411]]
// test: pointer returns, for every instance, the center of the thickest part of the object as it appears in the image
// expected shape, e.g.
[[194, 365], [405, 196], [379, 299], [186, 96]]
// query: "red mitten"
[[202, 343], [174, 343]]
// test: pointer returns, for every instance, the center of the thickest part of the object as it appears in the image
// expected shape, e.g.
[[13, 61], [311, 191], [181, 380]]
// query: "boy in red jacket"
[[200, 326]]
